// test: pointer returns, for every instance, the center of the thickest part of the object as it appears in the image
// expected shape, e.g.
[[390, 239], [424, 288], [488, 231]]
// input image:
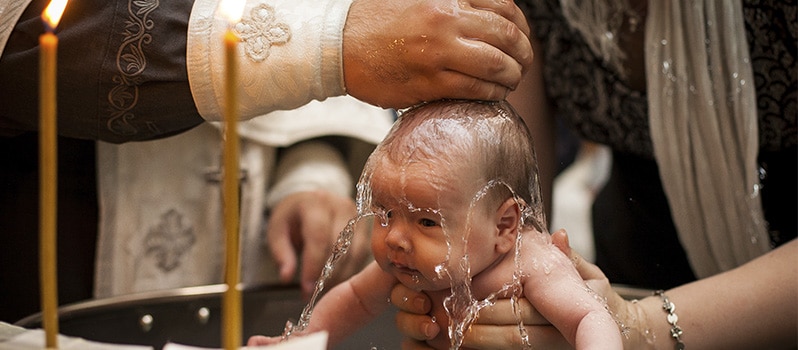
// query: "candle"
[[231, 302], [48, 177]]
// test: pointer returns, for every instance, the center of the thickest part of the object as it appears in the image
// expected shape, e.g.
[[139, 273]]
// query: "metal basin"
[[192, 316]]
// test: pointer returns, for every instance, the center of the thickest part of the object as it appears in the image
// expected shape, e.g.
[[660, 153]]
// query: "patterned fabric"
[[602, 107], [291, 53], [121, 73], [635, 238]]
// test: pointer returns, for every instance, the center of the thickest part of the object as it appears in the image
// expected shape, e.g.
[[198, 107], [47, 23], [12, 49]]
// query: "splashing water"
[[461, 305], [340, 249]]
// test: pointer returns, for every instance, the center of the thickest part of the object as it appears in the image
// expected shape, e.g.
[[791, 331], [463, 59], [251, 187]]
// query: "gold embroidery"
[[130, 63], [260, 31]]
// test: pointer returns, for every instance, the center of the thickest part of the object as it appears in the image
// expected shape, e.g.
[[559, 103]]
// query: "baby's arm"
[[348, 306], [553, 286]]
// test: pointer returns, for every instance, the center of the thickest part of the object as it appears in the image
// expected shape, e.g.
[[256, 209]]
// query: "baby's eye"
[[382, 215], [428, 223]]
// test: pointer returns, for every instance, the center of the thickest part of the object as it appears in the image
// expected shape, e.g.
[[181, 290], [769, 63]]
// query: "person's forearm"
[[752, 307], [290, 54]]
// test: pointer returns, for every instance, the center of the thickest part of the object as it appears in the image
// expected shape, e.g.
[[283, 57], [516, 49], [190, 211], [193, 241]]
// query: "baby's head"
[[446, 168], [476, 143]]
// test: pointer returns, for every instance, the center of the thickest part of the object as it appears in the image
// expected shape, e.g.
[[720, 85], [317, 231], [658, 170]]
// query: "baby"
[[454, 192]]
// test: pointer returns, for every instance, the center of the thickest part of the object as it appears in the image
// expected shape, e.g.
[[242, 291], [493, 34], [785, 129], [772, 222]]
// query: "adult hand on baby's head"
[[311, 222], [473, 49]]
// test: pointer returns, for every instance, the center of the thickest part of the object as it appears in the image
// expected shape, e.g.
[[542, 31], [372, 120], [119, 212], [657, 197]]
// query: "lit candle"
[[231, 303], [48, 169]]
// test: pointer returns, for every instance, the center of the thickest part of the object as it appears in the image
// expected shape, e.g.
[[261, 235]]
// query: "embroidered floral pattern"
[[130, 62], [169, 240], [260, 31]]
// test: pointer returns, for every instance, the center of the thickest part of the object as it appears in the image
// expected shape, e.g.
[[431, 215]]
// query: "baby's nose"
[[396, 239]]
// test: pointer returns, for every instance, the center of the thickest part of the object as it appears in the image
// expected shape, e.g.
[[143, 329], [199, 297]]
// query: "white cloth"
[[703, 116], [290, 54], [35, 340], [160, 201]]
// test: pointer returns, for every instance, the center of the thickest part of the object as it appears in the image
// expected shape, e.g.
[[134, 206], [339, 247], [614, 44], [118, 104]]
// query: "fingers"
[[410, 300], [506, 9], [415, 326], [412, 319], [502, 43], [502, 313], [316, 247], [280, 243], [260, 340], [586, 270], [435, 49], [560, 240], [508, 337], [456, 85]]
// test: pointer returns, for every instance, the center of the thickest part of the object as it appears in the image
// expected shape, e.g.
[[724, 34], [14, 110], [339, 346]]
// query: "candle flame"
[[232, 9], [52, 13]]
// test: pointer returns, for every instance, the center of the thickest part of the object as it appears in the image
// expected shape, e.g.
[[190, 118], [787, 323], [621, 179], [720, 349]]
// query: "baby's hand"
[[261, 340]]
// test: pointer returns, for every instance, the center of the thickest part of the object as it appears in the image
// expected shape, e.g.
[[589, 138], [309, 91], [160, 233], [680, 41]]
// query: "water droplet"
[[440, 270]]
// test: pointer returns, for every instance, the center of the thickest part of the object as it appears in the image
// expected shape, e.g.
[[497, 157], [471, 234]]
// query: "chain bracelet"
[[670, 309]]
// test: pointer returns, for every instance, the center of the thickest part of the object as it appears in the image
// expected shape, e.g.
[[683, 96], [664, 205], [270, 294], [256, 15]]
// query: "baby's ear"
[[508, 217]]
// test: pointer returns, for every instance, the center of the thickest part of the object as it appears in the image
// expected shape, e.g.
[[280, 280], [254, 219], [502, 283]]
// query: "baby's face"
[[420, 213]]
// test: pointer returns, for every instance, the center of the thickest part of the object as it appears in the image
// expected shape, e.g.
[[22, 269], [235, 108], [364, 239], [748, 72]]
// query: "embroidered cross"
[[169, 240], [260, 31]]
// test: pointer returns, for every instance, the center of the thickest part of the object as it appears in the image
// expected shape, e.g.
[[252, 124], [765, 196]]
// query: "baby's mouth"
[[402, 268]]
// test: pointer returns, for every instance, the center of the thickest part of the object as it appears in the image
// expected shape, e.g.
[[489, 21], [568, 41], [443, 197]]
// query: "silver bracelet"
[[670, 308]]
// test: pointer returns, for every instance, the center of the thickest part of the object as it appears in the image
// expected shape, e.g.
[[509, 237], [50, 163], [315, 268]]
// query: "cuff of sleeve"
[[310, 166], [290, 54]]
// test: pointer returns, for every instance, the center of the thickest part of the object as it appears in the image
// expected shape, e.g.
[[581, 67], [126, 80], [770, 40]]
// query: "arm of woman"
[[752, 306]]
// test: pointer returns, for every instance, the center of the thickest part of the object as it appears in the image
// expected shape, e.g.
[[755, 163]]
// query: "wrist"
[[657, 324], [637, 334]]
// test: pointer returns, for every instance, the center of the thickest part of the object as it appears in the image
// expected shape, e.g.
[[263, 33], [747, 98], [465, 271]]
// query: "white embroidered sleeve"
[[290, 54], [310, 166]]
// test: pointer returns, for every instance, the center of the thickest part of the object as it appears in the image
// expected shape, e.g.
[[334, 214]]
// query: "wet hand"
[[496, 326], [421, 50], [309, 222], [260, 340]]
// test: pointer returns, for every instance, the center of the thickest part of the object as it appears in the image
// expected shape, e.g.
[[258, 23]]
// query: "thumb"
[[560, 240], [586, 270]]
